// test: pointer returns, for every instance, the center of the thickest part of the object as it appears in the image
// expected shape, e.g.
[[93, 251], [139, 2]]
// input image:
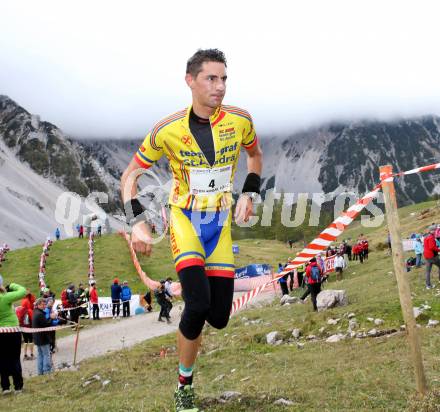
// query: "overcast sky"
[[105, 68]]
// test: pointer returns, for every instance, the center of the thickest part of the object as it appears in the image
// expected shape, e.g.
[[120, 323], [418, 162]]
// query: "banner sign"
[[105, 306], [408, 245], [252, 271]]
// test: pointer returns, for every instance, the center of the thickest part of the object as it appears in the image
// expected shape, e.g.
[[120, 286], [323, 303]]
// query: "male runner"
[[202, 144]]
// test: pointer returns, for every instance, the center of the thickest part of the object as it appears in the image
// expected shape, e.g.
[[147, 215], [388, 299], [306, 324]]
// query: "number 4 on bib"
[[212, 183]]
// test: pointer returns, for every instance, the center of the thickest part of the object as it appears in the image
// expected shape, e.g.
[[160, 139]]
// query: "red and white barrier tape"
[[330, 234], [13, 329], [152, 284], [316, 246]]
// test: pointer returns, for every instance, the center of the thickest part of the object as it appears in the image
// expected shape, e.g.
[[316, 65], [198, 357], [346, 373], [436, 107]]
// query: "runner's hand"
[[141, 238], [243, 210]]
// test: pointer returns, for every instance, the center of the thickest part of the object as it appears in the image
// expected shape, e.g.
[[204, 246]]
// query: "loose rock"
[[352, 324], [378, 322], [432, 323], [230, 395], [296, 333], [284, 402], [335, 338]]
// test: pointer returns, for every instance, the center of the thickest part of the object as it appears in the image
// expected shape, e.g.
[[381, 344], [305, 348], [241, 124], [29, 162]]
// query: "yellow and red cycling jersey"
[[197, 185]]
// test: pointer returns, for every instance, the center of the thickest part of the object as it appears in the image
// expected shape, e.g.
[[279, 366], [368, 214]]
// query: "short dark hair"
[[194, 63]]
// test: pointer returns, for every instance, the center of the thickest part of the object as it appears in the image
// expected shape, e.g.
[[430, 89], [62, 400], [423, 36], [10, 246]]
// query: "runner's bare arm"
[[243, 210], [141, 234]]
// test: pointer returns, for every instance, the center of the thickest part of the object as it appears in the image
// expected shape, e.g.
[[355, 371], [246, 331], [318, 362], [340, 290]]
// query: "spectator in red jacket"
[[24, 315], [314, 279], [94, 300], [430, 252]]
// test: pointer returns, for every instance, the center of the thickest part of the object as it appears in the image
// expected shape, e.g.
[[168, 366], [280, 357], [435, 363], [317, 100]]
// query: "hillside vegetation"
[[355, 374]]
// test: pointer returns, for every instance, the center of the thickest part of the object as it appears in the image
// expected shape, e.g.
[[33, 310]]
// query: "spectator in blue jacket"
[[418, 250], [125, 297], [283, 281], [47, 311], [116, 298]]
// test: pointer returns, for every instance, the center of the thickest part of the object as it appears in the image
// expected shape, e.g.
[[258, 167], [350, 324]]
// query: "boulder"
[[330, 298], [272, 337]]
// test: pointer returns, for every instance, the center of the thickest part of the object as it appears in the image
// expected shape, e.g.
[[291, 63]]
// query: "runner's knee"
[[218, 320], [196, 295], [193, 317]]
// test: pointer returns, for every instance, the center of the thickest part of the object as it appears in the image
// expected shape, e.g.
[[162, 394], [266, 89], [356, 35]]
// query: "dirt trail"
[[100, 339]]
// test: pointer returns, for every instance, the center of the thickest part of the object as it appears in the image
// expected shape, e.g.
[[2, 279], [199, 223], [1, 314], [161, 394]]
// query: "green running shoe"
[[184, 399]]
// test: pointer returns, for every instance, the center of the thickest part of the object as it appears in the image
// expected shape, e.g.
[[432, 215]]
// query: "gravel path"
[[111, 336]]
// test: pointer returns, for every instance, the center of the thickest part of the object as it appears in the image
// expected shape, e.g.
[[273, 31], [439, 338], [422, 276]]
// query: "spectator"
[[348, 250], [339, 266], [314, 277], [290, 243], [81, 232], [364, 244], [82, 300], [42, 339], [125, 297], [147, 298], [300, 270], [99, 230], [306, 283], [52, 334], [72, 298], [418, 250], [94, 300], [161, 299], [24, 315], [57, 233], [169, 293], [283, 281], [116, 298], [10, 343], [430, 253]]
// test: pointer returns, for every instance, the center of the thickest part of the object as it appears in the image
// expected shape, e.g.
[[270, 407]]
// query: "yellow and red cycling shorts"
[[202, 238]]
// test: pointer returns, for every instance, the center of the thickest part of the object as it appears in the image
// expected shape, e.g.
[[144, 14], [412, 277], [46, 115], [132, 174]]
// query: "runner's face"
[[209, 86]]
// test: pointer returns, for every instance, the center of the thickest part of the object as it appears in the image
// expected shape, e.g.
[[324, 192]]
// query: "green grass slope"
[[68, 262], [352, 375]]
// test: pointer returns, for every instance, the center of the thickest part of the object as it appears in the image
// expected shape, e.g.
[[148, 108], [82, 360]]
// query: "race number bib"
[[210, 181]]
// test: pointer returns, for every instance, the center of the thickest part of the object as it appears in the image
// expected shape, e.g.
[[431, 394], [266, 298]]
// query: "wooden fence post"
[[401, 276], [76, 342]]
